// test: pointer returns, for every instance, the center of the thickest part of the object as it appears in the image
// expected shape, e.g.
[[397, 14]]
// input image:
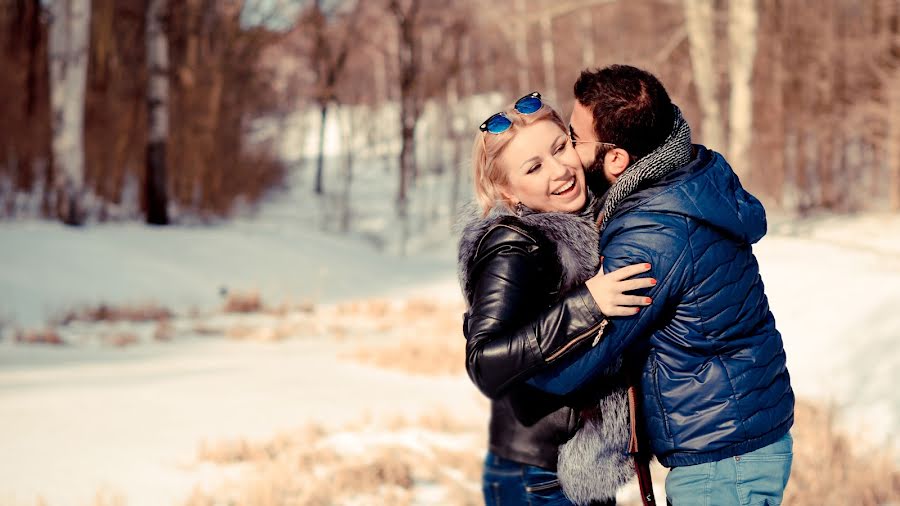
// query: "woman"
[[535, 241]]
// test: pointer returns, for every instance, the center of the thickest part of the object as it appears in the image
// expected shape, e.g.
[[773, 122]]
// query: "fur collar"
[[575, 237]]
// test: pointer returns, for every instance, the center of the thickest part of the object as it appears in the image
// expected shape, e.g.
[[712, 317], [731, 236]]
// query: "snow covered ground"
[[48, 268], [74, 419]]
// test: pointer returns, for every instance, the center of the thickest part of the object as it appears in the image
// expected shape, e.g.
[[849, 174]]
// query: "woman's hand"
[[609, 290]]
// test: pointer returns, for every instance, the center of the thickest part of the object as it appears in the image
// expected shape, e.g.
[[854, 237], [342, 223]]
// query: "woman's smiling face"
[[545, 173]]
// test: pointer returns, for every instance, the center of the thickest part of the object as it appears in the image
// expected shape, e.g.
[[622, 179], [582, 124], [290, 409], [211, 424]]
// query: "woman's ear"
[[508, 197], [617, 160]]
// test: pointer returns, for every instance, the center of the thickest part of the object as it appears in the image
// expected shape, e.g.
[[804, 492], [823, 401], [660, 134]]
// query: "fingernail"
[[637, 309], [647, 266], [653, 281], [648, 300]]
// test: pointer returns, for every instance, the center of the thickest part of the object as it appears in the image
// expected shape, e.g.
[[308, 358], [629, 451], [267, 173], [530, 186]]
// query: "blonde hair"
[[489, 178]]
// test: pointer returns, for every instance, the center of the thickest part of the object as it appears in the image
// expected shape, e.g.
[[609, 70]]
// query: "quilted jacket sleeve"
[[506, 280], [663, 245]]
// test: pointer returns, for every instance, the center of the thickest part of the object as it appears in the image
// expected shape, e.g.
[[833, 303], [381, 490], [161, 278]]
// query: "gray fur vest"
[[595, 462]]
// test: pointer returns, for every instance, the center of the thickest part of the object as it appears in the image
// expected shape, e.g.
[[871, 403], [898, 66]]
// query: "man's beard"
[[595, 177]]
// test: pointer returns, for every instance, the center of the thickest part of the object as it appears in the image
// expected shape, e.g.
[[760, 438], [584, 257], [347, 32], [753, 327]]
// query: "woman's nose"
[[561, 166]]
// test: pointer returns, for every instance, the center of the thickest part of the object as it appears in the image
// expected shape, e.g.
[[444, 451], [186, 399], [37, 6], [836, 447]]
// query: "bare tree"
[[333, 33], [883, 59], [407, 19], [68, 43], [699, 18], [742, 26], [157, 113], [418, 81]]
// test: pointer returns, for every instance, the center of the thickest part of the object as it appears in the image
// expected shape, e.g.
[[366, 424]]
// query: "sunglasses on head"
[[499, 123]]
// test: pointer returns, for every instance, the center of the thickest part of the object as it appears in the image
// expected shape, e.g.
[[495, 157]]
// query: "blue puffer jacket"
[[714, 384]]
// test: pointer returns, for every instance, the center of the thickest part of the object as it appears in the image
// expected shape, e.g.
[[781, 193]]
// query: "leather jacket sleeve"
[[670, 257], [507, 280]]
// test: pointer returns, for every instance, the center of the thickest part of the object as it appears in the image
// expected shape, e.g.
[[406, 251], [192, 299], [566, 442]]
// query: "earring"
[[520, 209]]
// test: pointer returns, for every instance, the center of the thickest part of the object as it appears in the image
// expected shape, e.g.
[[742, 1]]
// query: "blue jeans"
[[509, 483], [756, 478]]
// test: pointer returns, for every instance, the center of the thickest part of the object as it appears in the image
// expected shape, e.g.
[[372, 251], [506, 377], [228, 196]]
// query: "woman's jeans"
[[754, 479], [509, 483]]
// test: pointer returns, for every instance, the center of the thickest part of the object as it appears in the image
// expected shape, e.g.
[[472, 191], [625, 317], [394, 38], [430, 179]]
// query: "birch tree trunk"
[[350, 127], [700, 24], [893, 143], [68, 40], [155, 190], [742, 25], [521, 48], [548, 53], [587, 35]]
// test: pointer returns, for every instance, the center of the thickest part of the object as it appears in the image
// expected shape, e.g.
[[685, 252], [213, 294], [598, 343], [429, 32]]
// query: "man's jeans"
[[509, 483], [754, 479]]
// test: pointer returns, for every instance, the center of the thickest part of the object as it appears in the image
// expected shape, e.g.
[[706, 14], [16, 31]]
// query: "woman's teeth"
[[565, 188]]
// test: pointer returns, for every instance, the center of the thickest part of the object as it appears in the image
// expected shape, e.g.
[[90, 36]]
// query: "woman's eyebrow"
[[562, 137], [530, 161]]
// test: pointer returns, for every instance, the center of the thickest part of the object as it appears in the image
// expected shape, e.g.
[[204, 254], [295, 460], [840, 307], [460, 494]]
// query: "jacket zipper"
[[598, 328], [542, 486]]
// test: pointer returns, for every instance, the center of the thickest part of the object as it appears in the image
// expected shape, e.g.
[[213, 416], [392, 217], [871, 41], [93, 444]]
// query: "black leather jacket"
[[517, 324]]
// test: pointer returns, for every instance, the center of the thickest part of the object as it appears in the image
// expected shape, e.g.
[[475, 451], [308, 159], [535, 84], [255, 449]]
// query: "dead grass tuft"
[[372, 308], [268, 333], [426, 336], [106, 497], [426, 356], [147, 312], [39, 336], [164, 331], [243, 302], [203, 328], [119, 339], [831, 468], [304, 468]]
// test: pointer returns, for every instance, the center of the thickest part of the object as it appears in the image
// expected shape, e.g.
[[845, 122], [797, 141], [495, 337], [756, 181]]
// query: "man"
[[716, 399]]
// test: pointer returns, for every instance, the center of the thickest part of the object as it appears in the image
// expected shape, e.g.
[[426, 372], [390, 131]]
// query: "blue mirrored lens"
[[528, 105], [497, 124]]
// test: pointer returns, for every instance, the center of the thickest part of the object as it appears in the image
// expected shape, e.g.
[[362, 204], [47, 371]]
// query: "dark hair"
[[630, 106]]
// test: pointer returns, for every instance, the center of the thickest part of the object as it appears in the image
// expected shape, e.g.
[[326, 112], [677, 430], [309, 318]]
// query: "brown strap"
[[645, 482], [641, 462], [632, 417]]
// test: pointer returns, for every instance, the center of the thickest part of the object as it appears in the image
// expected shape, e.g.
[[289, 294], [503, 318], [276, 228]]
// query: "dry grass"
[[276, 331], [304, 468], [828, 469], [103, 497], [164, 331], [287, 307], [119, 339], [430, 341], [243, 302], [371, 308], [428, 356], [204, 328], [832, 468], [39, 336], [147, 312]]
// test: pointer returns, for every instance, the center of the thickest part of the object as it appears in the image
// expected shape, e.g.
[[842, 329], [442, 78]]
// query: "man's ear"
[[617, 160]]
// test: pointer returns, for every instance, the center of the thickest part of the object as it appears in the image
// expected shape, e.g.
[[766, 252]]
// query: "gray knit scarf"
[[671, 155]]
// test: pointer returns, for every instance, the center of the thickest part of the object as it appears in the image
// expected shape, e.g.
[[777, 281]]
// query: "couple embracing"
[[615, 308]]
